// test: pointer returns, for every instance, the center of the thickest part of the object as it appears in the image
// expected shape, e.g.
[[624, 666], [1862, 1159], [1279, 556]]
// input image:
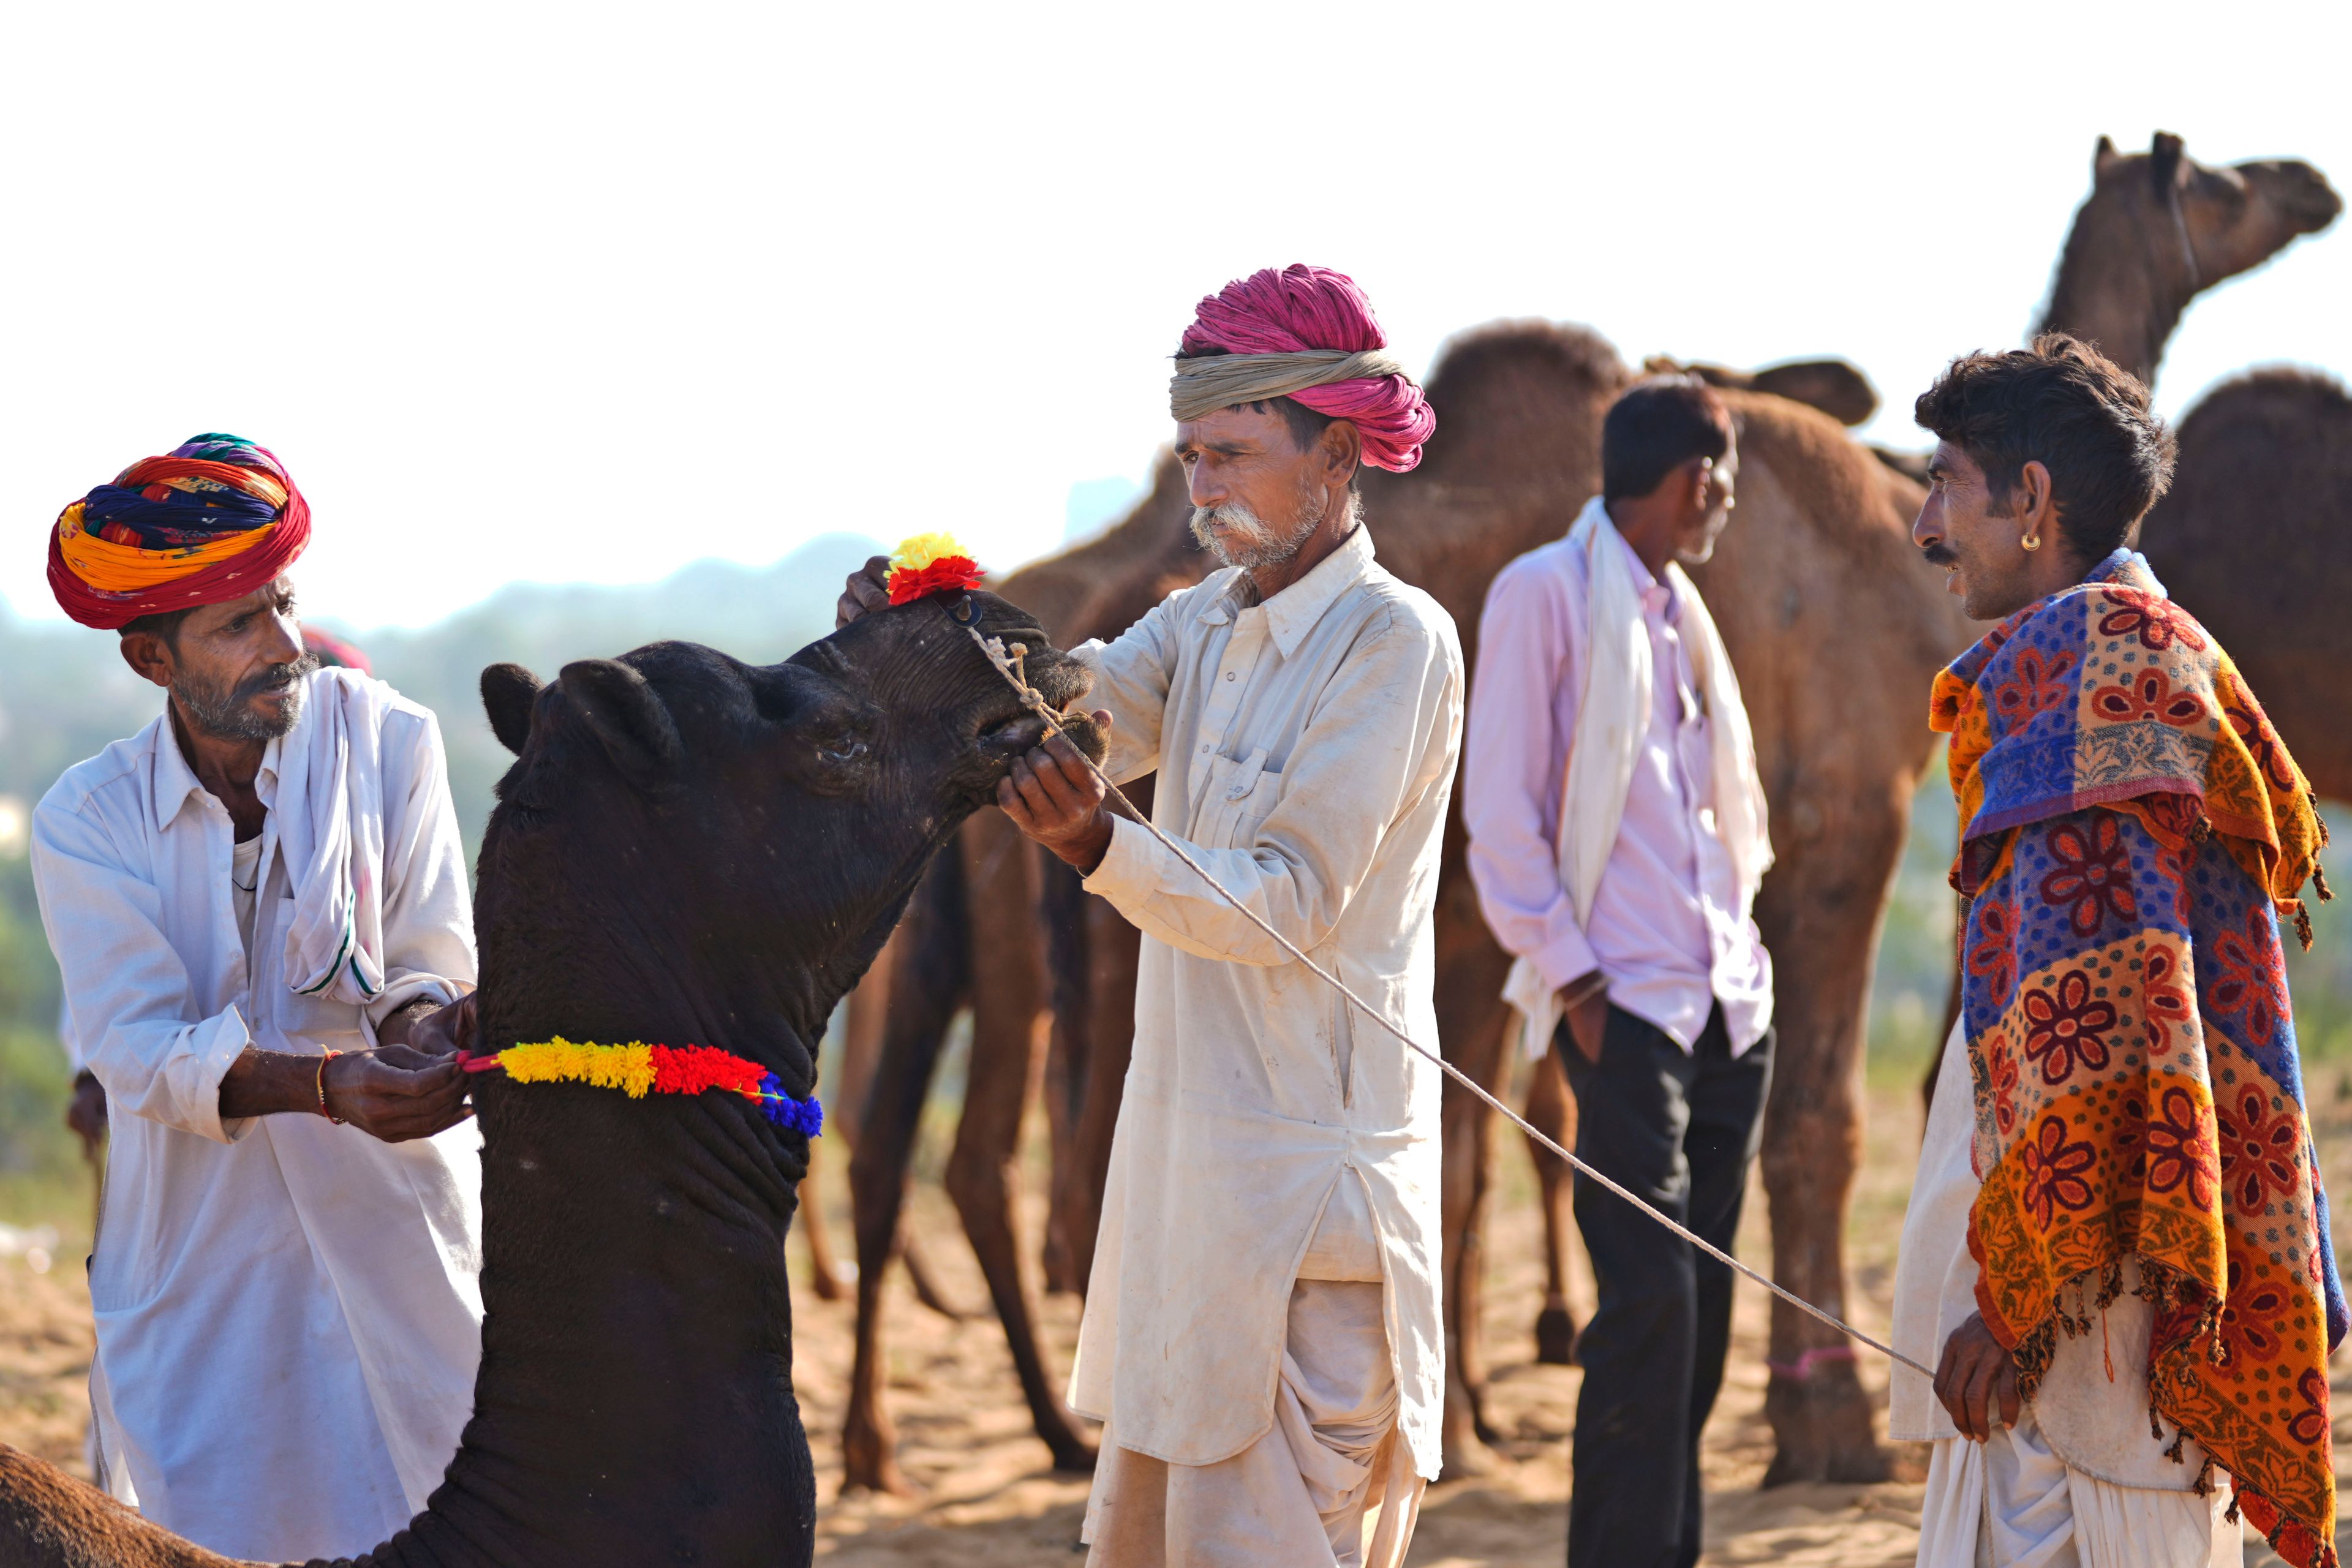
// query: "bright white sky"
[[588, 291]]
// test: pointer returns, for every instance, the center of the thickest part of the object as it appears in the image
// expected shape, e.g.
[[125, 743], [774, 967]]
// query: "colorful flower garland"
[[638, 1069], [929, 564]]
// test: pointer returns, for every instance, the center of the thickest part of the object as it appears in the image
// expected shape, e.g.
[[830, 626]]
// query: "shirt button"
[[1229, 675], [1204, 749]]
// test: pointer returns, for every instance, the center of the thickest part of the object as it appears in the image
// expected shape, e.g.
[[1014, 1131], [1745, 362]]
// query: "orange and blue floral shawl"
[[2132, 830]]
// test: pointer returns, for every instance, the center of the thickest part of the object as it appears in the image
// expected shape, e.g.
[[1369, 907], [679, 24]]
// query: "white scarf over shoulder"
[[330, 767], [1612, 719]]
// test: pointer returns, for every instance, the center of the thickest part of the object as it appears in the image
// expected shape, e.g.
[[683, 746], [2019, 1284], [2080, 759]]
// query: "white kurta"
[[2080, 1482], [288, 1316], [1305, 749]]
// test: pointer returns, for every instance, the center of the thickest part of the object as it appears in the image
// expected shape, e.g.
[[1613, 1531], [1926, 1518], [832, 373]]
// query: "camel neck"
[[2117, 288], [635, 1400]]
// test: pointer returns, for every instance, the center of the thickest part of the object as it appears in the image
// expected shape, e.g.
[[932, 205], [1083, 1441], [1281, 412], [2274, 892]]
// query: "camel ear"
[[2104, 157], [509, 691], [1831, 386], [628, 719], [2165, 159]]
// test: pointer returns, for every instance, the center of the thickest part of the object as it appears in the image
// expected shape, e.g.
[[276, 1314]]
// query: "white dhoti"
[[1330, 1485], [2081, 1481], [2012, 1503]]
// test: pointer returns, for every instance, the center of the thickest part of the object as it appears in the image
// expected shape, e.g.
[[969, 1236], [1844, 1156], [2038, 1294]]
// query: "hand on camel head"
[[1976, 1375], [867, 589], [1051, 795]]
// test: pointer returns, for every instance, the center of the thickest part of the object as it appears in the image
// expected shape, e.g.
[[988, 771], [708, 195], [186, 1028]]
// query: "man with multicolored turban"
[[260, 908], [1262, 1333], [2118, 1253]]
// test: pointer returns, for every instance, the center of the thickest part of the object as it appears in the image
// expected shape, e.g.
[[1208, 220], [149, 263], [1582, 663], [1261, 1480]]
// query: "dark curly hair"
[[2066, 405]]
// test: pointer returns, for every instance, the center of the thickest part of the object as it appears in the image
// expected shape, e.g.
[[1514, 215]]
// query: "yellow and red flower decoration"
[[638, 1069], [930, 564]]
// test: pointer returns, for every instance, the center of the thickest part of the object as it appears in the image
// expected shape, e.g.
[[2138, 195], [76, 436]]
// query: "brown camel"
[[1816, 575], [2256, 535], [2262, 470], [2159, 228]]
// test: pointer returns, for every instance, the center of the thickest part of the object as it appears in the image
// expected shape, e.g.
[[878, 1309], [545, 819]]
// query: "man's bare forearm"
[[396, 1028], [263, 1083]]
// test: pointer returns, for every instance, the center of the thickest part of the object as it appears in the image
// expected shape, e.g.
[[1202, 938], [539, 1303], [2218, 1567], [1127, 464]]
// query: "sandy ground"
[[985, 1499]]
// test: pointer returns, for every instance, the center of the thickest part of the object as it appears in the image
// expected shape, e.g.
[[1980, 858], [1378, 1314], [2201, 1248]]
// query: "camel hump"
[[1832, 385], [48, 1520]]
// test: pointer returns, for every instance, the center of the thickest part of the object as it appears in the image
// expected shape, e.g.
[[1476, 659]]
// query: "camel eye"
[[841, 751]]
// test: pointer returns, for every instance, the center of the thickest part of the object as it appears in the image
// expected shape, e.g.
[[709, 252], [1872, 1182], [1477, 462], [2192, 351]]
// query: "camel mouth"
[[1012, 737], [1024, 732]]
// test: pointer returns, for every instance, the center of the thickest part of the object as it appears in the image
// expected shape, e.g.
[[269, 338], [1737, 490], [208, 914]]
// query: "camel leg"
[[824, 1277], [1062, 901], [935, 947], [1107, 956], [1819, 914], [1114, 953], [1471, 1022], [983, 1175], [1552, 1109], [866, 1017], [1951, 1016]]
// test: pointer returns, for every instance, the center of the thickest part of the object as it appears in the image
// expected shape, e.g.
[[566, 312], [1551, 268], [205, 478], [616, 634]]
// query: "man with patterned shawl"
[[1261, 1334], [261, 910], [2117, 1254]]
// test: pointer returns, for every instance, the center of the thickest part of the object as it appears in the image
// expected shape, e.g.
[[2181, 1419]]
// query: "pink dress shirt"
[[1668, 927]]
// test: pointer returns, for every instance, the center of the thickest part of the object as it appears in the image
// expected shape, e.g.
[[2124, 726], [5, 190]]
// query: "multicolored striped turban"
[[213, 519]]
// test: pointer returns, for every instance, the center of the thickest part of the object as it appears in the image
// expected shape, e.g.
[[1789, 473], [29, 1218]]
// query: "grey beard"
[[230, 715], [1259, 545]]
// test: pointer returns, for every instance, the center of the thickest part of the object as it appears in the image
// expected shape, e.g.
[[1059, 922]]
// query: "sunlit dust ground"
[[986, 1498]]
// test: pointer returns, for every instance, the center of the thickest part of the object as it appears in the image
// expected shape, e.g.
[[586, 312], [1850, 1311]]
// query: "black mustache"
[[1937, 554]]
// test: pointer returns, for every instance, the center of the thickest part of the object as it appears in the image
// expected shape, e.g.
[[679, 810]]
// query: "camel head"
[[2235, 218], [2159, 227], [754, 828]]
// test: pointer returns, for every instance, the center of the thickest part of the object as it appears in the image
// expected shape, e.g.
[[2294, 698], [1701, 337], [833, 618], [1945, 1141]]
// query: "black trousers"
[[1678, 1128]]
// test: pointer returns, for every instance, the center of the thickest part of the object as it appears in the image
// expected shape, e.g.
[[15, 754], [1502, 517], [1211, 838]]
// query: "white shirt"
[[1306, 750], [1669, 926], [289, 1317]]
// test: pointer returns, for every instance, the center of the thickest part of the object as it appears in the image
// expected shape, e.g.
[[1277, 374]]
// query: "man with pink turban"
[[1261, 1334]]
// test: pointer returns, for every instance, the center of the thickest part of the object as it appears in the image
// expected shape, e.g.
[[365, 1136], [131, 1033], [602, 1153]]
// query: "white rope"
[[1009, 667]]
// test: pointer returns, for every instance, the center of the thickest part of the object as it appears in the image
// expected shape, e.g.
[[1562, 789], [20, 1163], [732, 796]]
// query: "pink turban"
[[1308, 333]]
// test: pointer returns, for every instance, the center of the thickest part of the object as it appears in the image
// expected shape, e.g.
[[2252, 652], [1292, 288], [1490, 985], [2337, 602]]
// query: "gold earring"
[[2032, 541]]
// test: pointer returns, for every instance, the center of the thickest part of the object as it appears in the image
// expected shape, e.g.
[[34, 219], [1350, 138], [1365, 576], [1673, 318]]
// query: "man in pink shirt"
[[1617, 836]]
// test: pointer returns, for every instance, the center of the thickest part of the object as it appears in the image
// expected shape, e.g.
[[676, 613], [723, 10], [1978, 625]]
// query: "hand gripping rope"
[[1009, 664]]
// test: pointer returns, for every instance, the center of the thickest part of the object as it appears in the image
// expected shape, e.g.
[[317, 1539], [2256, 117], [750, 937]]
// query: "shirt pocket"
[[1240, 796]]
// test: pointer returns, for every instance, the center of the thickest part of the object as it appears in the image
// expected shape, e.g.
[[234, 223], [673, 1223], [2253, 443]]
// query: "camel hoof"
[[1864, 1466], [884, 1478], [869, 1458], [1554, 1337], [830, 1286], [1467, 1461]]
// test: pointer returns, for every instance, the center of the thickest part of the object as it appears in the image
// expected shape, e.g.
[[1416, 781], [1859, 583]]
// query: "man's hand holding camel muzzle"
[[1051, 795]]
